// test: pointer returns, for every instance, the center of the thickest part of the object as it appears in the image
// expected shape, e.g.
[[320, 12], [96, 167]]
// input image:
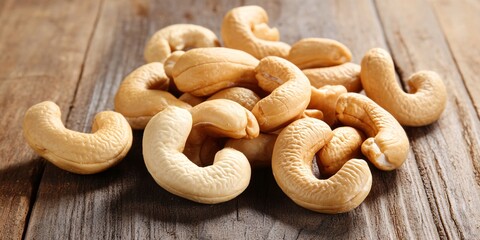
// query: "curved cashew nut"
[[76, 152], [318, 52], [204, 71], [325, 100], [387, 145], [423, 104], [347, 75], [139, 98], [171, 61], [292, 168], [345, 145], [163, 141], [244, 96], [178, 37], [245, 28], [289, 97], [258, 150]]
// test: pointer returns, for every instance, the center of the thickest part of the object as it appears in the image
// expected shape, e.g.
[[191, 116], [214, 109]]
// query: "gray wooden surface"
[[77, 52]]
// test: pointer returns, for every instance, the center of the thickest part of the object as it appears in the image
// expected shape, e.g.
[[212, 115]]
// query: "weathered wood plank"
[[447, 151], [42, 46]]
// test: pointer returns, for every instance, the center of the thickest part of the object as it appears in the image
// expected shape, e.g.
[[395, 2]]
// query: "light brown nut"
[[139, 96], [245, 28], [423, 104], [204, 71], [318, 52], [163, 142], [387, 143], [178, 37], [243, 96], [77, 152], [257, 150], [292, 158], [218, 118], [171, 61], [190, 99], [289, 97], [347, 75], [325, 100], [345, 145]]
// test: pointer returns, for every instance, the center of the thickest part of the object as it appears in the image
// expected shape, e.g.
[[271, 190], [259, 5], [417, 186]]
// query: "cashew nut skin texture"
[[289, 97], [292, 158], [347, 75], [245, 28], [204, 71], [344, 145], [244, 96], [387, 143], [163, 142], [423, 104], [138, 97], [76, 152], [318, 52], [325, 100], [178, 37], [257, 150]]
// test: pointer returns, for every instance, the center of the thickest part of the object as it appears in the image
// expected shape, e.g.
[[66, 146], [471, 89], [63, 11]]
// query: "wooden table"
[[77, 52]]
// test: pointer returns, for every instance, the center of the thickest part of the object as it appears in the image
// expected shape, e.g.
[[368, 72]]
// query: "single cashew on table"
[[164, 139], [292, 158], [76, 152]]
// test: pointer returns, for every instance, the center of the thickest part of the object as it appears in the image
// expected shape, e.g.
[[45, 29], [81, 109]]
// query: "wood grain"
[[42, 48], [448, 173], [97, 43]]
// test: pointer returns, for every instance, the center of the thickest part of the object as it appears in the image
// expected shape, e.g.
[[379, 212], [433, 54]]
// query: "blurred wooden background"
[[77, 52]]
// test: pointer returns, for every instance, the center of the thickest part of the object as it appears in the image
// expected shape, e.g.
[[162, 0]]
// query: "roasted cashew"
[[423, 104], [258, 150], [289, 97], [292, 159], [344, 145], [140, 97], [244, 96], [204, 71], [387, 145], [347, 75], [171, 61], [163, 142], [76, 152], [178, 37], [218, 118], [318, 52], [325, 100], [245, 28]]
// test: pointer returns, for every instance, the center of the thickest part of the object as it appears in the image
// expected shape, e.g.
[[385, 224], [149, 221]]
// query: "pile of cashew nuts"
[[210, 114]]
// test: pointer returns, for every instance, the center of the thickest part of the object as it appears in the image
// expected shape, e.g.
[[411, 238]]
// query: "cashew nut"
[[258, 150], [163, 142], [345, 145], [139, 96], [292, 158], [244, 96], [325, 100], [190, 99], [423, 104], [178, 37], [171, 61], [318, 52], [347, 75], [289, 97], [387, 145], [218, 118], [204, 71], [76, 152], [245, 28]]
